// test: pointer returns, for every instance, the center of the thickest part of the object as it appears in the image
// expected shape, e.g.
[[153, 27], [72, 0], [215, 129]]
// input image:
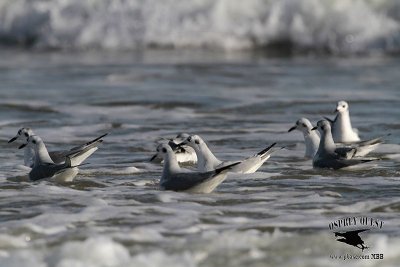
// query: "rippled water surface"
[[113, 213]]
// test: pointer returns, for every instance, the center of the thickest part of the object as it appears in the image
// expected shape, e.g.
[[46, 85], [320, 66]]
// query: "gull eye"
[[304, 125], [34, 142], [189, 139], [343, 106], [164, 150], [26, 134], [197, 141]]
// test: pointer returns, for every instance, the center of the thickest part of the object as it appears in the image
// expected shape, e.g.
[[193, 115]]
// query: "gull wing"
[[59, 156], [186, 181], [46, 170], [346, 152]]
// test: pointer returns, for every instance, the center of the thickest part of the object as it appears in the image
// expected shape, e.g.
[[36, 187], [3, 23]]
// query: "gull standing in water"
[[311, 138], [184, 154], [44, 166], [331, 157], [177, 179], [58, 157], [342, 131], [207, 161]]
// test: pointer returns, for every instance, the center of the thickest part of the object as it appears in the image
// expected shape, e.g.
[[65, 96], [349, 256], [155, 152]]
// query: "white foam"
[[95, 251], [336, 26]]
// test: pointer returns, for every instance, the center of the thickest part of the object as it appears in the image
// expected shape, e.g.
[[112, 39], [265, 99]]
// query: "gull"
[[44, 167], [184, 154], [207, 161], [57, 156], [329, 155], [311, 138], [342, 131], [177, 179]]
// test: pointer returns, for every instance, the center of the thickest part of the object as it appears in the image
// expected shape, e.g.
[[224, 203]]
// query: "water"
[[114, 215], [237, 74], [337, 27]]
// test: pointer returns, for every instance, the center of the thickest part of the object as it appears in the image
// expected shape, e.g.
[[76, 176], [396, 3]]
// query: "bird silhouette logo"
[[352, 238]]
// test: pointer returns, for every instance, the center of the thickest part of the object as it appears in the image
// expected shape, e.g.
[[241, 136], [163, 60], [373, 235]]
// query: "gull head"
[[182, 136], [22, 133], [32, 141], [302, 125], [164, 150], [192, 141], [323, 126], [176, 142], [342, 106]]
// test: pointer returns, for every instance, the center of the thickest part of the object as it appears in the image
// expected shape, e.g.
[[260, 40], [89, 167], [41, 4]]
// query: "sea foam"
[[338, 27]]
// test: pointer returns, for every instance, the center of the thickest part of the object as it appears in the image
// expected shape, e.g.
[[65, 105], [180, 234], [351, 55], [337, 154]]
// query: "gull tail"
[[370, 159], [375, 141], [68, 163], [266, 151], [225, 168]]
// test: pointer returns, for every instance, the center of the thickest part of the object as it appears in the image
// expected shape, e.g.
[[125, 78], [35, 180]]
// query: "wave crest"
[[324, 26]]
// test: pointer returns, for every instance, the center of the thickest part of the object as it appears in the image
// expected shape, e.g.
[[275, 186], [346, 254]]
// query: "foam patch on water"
[[334, 26], [96, 251], [104, 252]]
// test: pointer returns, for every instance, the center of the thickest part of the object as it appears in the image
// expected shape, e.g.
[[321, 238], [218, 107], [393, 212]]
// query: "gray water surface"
[[113, 213]]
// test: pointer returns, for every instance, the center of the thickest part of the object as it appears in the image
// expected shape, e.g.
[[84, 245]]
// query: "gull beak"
[[336, 110], [314, 128], [181, 144], [153, 157], [22, 146], [291, 129], [13, 139], [173, 145]]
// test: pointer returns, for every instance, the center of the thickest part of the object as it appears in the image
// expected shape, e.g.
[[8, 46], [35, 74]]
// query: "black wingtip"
[[219, 170], [265, 150], [96, 139], [369, 160]]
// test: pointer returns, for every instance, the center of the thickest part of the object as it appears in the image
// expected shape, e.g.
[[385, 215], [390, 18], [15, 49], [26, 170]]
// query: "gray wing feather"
[[185, 181], [59, 156], [43, 171], [346, 152]]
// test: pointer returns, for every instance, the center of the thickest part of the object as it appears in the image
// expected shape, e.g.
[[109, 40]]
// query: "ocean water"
[[237, 73], [113, 213], [336, 27]]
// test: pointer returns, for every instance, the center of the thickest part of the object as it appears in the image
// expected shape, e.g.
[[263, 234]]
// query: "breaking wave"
[[337, 27]]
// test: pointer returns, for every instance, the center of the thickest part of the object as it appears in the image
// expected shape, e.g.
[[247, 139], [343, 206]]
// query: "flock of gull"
[[335, 145]]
